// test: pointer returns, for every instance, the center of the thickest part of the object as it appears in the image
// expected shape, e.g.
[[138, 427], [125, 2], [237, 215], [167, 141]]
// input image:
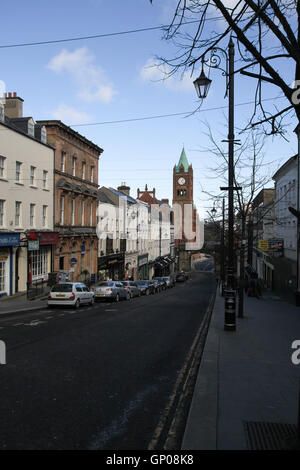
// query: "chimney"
[[13, 105], [165, 201], [124, 189]]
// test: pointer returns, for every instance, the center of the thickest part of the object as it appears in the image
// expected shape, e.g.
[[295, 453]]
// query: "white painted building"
[[286, 195], [26, 198]]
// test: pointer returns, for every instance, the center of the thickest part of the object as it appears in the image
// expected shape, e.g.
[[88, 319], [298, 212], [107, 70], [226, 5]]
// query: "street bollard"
[[230, 320]]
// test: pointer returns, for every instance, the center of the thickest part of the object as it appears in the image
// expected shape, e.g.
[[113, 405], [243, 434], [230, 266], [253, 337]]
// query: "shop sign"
[[73, 261], [143, 260], [45, 238], [263, 245], [33, 245], [276, 247], [9, 239]]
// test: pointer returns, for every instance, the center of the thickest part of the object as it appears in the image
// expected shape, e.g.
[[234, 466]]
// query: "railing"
[[37, 288]]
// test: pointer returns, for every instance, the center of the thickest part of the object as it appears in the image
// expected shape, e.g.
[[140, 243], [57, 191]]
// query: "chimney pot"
[[9, 94], [14, 94]]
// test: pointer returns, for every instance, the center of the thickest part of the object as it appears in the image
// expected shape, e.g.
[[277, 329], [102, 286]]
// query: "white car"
[[70, 293]]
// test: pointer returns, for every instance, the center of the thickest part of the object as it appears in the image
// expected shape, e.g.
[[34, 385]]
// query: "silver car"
[[73, 294], [111, 290], [132, 287]]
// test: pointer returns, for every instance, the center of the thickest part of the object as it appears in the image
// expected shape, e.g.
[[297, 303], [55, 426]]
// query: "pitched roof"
[[182, 161]]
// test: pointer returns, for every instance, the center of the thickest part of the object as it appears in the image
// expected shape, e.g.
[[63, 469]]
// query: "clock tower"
[[183, 195], [183, 181]]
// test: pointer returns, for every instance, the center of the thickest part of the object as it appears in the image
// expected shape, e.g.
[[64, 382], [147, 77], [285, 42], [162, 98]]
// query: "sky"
[[108, 79]]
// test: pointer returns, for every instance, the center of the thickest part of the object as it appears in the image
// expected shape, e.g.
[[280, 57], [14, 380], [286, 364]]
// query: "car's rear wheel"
[[147, 291], [128, 296], [117, 298], [77, 303], [92, 301]]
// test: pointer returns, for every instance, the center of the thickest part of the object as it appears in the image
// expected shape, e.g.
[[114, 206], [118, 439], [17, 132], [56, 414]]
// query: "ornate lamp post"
[[202, 85]]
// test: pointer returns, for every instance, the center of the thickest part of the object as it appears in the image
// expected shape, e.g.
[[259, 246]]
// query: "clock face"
[[181, 181]]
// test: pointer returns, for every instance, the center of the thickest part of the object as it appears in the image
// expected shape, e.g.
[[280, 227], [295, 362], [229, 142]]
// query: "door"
[[17, 271]]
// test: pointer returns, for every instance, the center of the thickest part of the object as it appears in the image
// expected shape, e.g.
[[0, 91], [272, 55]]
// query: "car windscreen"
[[106, 284], [62, 288], [141, 283]]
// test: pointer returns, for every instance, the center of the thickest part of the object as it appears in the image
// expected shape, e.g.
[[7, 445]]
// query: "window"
[[31, 128], [45, 177], [92, 174], [61, 263], [2, 275], [83, 171], [2, 167], [43, 135], [18, 214], [32, 215], [62, 208], [82, 212], [73, 212], [73, 166], [32, 175], [91, 214], [2, 202], [18, 171], [40, 263], [44, 217], [63, 161]]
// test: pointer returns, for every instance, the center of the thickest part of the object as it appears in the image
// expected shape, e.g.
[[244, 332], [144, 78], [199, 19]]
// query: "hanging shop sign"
[[33, 245]]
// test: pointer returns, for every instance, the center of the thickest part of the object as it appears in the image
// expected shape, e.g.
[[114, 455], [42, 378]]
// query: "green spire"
[[183, 161]]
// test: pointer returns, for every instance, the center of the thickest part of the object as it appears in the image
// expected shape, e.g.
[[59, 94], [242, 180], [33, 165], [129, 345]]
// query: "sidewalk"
[[246, 380], [20, 304]]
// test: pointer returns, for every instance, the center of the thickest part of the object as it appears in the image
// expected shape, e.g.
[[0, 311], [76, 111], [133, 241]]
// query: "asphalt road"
[[99, 377]]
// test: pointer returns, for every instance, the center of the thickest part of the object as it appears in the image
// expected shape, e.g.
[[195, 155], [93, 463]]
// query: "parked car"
[[70, 293], [146, 287], [111, 290], [181, 277], [169, 280], [132, 287], [156, 284], [162, 282]]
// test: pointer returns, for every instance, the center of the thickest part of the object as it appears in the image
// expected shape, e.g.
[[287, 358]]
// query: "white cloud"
[[70, 115], [90, 78], [159, 74]]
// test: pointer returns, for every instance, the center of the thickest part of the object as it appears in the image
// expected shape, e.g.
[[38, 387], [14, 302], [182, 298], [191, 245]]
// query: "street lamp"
[[202, 85]]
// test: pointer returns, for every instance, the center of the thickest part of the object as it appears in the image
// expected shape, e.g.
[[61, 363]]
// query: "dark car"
[[156, 285], [181, 277], [146, 287], [162, 282]]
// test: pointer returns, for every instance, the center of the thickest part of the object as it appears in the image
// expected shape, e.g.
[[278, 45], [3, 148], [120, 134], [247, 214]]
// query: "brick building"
[[75, 201], [186, 219]]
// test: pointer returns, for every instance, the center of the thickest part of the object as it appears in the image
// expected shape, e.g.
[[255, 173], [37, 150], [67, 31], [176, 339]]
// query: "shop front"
[[40, 255], [143, 272], [111, 267], [131, 266], [162, 266], [9, 241]]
